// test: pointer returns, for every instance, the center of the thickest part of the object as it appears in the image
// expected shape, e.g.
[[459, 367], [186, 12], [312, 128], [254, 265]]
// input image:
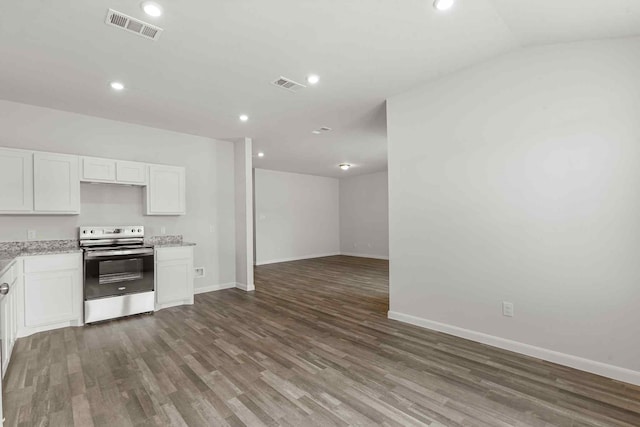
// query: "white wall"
[[297, 216], [364, 215], [244, 213], [210, 182], [519, 180]]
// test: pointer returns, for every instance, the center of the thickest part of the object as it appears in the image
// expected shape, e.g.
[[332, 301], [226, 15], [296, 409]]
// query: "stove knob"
[[133, 230], [84, 231], [92, 231], [139, 230]]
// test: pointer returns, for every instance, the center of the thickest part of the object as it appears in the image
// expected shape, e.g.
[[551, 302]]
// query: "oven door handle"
[[106, 254]]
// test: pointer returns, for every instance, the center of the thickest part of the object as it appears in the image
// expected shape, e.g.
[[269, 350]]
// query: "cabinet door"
[[166, 191], [51, 297], [13, 321], [6, 314], [173, 281], [16, 180], [5, 332], [56, 183], [98, 170], [131, 173]]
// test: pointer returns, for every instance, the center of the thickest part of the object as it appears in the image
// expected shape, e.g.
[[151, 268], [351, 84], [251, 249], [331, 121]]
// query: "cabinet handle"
[[4, 289]]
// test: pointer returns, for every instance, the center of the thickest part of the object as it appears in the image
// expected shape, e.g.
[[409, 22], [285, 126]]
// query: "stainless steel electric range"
[[118, 272]]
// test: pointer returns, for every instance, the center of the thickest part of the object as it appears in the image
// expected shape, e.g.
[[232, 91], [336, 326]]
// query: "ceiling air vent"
[[120, 20], [323, 129], [288, 84]]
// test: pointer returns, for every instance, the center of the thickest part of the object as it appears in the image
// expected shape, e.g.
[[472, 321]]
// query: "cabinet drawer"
[[46, 263], [172, 254]]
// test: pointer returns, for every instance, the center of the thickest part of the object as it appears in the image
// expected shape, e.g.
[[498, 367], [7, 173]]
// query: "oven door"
[[117, 272]]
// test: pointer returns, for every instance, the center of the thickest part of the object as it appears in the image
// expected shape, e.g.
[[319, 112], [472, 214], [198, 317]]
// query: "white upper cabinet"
[[166, 191], [56, 183], [16, 181], [131, 173], [33, 182], [98, 170], [113, 171]]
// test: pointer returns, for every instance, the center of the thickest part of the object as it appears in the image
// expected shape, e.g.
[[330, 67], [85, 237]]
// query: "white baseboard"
[[212, 288], [275, 261], [173, 304], [592, 366], [364, 255], [26, 331], [245, 287]]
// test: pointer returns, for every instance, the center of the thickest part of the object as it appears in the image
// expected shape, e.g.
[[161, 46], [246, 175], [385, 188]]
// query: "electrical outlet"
[[31, 235], [198, 272], [507, 309], [212, 229], [163, 230]]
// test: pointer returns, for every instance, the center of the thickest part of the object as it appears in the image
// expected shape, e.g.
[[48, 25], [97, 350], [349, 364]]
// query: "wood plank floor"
[[311, 347]]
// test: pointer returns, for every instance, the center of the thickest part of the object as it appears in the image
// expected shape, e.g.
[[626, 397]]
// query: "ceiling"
[[216, 59]]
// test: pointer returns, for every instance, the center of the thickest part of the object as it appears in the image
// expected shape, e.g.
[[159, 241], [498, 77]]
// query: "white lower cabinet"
[[174, 276], [8, 312], [52, 292]]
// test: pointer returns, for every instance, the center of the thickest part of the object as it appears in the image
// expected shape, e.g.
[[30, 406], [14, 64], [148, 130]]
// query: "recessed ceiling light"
[[244, 117], [261, 154], [313, 79], [116, 86], [316, 132], [152, 8], [443, 4], [344, 166]]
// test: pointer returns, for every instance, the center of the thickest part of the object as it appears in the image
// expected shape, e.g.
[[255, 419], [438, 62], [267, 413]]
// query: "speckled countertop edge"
[[173, 245], [167, 241], [9, 251]]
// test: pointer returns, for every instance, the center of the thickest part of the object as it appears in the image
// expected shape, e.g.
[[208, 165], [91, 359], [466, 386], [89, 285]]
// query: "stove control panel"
[[117, 232]]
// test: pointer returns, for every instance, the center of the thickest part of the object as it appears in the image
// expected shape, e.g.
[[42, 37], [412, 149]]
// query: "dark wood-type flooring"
[[311, 347]]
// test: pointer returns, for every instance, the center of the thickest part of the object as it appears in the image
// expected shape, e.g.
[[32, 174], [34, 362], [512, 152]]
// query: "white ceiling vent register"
[[323, 129], [288, 84], [120, 20]]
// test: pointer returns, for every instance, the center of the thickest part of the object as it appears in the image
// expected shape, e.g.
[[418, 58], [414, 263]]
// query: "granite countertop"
[[167, 242], [9, 251]]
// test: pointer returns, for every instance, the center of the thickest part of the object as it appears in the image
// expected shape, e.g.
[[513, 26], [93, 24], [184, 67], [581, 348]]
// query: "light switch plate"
[[32, 235], [507, 309]]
